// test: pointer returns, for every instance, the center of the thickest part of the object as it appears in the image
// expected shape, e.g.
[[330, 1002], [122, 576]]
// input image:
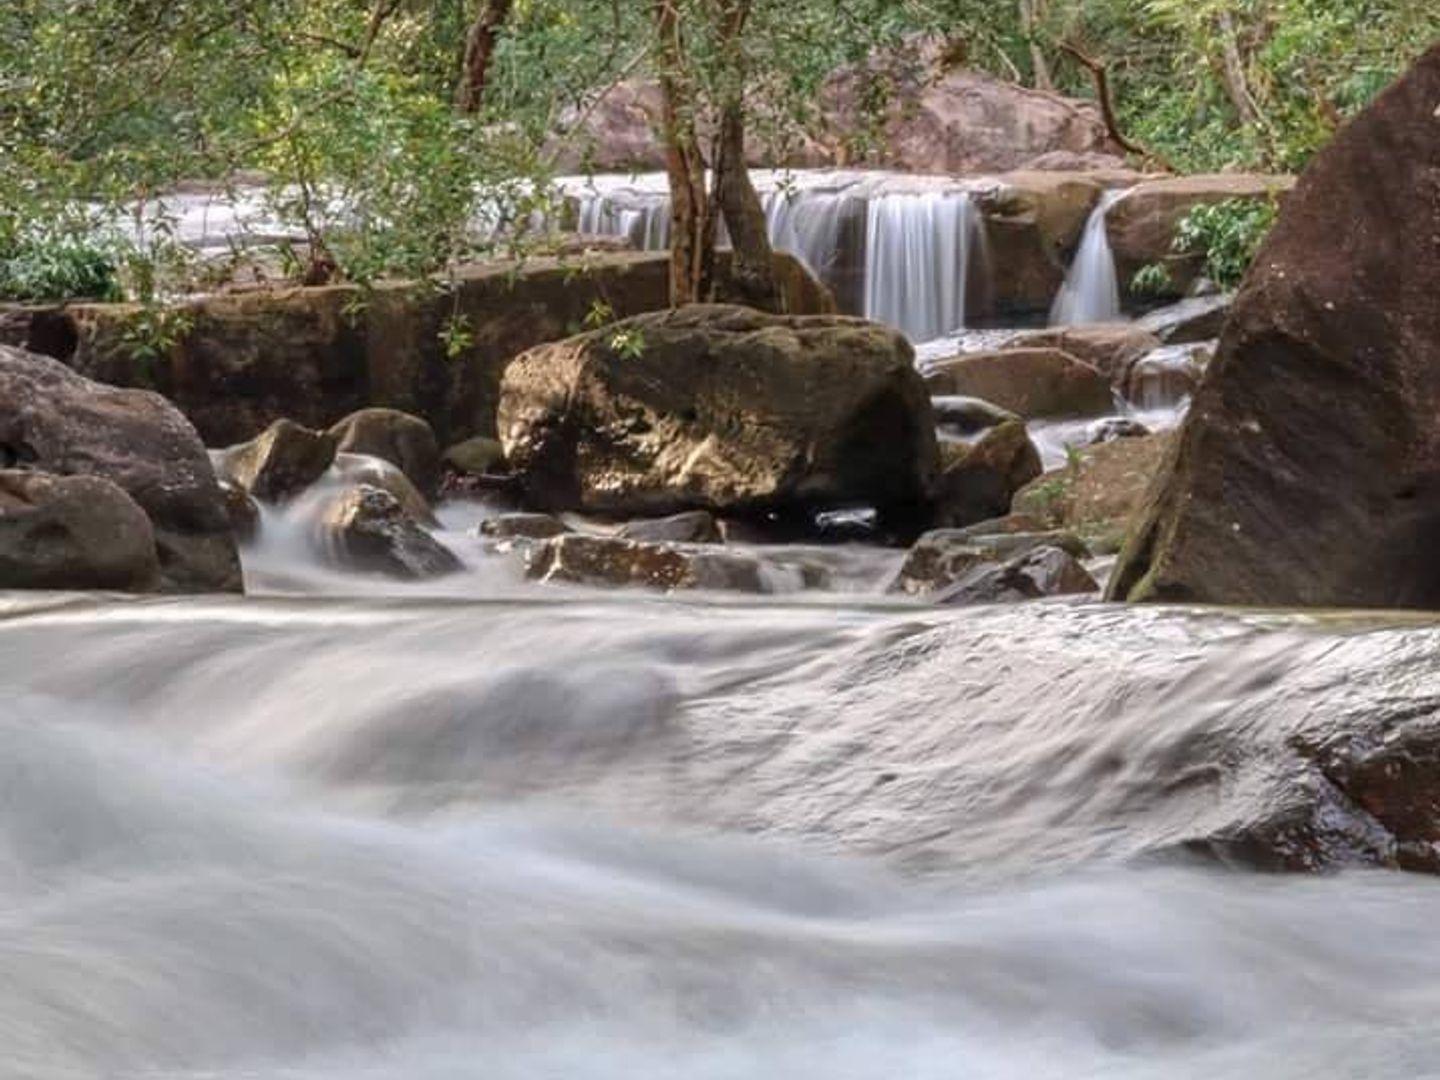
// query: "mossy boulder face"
[[721, 408], [241, 360], [1100, 493], [54, 420], [1307, 471]]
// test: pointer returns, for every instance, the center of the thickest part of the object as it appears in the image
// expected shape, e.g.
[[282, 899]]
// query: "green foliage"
[[628, 343], [1152, 279], [152, 334], [457, 336], [58, 266], [1228, 234]]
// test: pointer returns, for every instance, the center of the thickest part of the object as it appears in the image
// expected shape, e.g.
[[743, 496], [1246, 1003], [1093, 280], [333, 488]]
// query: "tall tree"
[[479, 51]]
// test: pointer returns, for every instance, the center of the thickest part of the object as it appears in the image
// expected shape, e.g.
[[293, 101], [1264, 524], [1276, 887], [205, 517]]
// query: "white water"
[[917, 259], [1091, 293], [302, 839]]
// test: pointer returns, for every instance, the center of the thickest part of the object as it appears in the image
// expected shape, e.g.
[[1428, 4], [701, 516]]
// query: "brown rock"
[[523, 527], [1307, 471], [942, 557], [615, 561], [979, 480], [405, 441], [1041, 572], [280, 462], [720, 408], [73, 532], [693, 527], [365, 528], [1109, 347], [55, 420], [1029, 382], [1142, 224]]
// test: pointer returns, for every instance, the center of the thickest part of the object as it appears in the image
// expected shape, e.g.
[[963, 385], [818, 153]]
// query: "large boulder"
[[57, 421], [1041, 572], [1031, 383], [280, 462], [979, 480], [1142, 224], [73, 532], [942, 557], [1308, 469], [939, 117], [720, 408], [405, 441], [1111, 348]]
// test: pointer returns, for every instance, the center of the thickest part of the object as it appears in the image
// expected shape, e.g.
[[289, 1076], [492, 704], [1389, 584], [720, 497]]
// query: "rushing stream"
[[579, 834]]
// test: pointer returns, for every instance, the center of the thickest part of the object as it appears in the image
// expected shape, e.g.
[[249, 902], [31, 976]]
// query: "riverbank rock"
[[1142, 224], [56, 421], [692, 527], [522, 526], [1099, 495], [247, 359], [1110, 348], [476, 456], [1307, 471], [723, 409], [583, 559], [73, 532], [978, 480], [365, 528], [280, 462], [1032, 383], [943, 557], [960, 416], [1041, 572], [1196, 319], [405, 441]]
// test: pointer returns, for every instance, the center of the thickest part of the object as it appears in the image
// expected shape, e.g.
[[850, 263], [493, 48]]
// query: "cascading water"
[[1091, 292], [917, 260], [912, 247]]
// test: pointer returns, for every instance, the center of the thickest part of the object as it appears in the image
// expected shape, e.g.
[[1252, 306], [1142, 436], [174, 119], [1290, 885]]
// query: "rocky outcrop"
[[1196, 319], [1307, 471], [364, 528], [943, 557], [56, 421], [1100, 494], [979, 480], [315, 355], [1142, 224], [615, 561], [1031, 383], [720, 408], [1111, 348], [1041, 572], [279, 463], [405, 441], [73, 532], [694, 527]]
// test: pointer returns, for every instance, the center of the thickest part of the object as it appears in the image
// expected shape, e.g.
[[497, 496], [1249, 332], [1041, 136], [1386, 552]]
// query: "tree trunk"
[[1031, 12], [692, 232], [752, 262], [1237, 86], [479, 50]]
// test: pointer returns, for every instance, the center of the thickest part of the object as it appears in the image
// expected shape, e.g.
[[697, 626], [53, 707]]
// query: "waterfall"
[[917, 255], [1091, 293]]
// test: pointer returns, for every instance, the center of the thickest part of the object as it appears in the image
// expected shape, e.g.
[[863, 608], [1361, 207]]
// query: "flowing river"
[[347, 831]]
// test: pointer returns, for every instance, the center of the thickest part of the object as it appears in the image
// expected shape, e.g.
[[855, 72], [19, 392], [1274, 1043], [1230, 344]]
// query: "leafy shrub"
[[43, 266], [1228, 234]]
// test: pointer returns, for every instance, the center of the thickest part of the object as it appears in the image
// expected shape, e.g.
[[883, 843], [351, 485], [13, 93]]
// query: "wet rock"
[[978, 481], [523, 527], [720, 408], [1196, 319], [355, 469], [1099, 496], [693, 527], [962, 416], [614, 561], [1115, 427], [365, 528], [1112, 348], [943, 557], [1040, 572], [280, 462], [73, 532], [57, 421], [1142, 225], [405, 441], [244, 515], [1306, 471], [1029, 382], [476, 456]]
